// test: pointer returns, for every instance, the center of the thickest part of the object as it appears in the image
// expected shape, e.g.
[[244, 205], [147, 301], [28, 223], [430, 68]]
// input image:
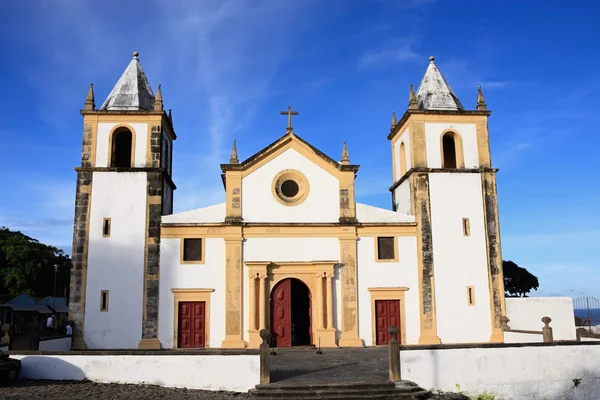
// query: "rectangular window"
[[466, 227], [106, 227], [386, 248], [192, 250], [471, 295], [104, 300]]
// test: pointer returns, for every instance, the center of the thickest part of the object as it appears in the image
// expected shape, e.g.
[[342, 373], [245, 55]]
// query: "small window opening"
[[471, 295], [106, 227], [104, 300], [192, 249], [466, 227], [385, 248], [449, 150], [290, 188], [121, 149]]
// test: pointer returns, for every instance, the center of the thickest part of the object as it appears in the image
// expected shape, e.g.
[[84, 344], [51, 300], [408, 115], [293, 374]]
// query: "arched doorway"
[[291, 322]]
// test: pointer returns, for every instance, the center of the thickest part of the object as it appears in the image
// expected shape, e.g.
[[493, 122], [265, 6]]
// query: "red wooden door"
[[387, 313], [281, 314], [191, 324]]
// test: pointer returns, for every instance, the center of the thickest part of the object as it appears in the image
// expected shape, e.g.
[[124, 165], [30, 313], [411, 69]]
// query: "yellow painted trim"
[[470, 295], [483, 144], [388, 293], [394, 174], [202, 250], [104, 222], [450, 118], [270, 231], [196, 294], [233, 194], [293, 175], [458, 147], [104, 293], [110, 142], [466, 225], [402, 159], [379, 260]]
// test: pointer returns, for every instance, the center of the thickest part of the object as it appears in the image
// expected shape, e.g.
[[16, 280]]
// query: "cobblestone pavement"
[[25, 389], [334, 365]]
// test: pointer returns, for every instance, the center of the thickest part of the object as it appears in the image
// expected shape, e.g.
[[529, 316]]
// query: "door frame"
[[185, 295], [310, 307], [388, 293], [305, 271]]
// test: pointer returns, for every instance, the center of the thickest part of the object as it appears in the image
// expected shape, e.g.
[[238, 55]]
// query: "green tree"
[[26, 265], [518, 282]]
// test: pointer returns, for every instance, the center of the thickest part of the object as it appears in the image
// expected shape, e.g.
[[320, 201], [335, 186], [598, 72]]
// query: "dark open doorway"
[[290, 313]]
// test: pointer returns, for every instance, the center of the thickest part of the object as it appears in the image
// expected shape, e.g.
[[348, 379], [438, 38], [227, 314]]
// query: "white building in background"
[[289, 249]]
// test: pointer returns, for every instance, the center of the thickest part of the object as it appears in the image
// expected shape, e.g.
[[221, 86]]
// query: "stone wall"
[[509, 372], [237, 373]]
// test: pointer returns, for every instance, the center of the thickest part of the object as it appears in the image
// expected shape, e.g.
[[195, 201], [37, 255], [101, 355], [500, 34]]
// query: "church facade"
[[289, 249]]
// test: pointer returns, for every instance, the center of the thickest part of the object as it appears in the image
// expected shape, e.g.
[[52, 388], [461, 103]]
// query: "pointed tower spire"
[[158, 103], [89, 100], [412, 99], [394, 120], [345, 159], [132, 91], [481, 106], [234, 158], [434, 92]]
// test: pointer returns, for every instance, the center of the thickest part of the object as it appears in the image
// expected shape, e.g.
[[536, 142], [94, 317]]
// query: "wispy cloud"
[[394, 54]]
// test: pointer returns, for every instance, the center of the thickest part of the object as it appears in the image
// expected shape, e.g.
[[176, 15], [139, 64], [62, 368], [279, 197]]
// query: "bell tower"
[[124, 185], [443, 175]]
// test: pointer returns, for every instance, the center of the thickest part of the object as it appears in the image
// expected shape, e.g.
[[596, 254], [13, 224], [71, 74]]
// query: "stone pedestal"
[[233, 343], [149, 344], [326, 338], [254, 339]]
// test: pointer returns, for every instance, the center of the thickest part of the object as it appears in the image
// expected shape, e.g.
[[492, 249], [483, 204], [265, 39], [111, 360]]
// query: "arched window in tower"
[[449, 151], [121, 148], [402, 159]]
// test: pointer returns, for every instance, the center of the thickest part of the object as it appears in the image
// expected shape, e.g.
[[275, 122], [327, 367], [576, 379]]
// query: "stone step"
[[341, 390]]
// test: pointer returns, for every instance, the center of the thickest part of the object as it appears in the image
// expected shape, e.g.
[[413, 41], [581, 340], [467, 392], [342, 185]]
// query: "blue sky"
[[228, 67]]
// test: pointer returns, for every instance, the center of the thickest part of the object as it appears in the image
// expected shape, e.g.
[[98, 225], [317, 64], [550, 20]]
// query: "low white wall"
[[526, 313], [529, 372], [237, 373], [60, 344]]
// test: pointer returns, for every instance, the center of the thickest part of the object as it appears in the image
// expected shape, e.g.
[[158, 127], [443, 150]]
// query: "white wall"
[[321, 204], [526, 314], [459, 261], [404, 137], [433, 133], [103, 144], [116, 263], [514, 373], [60, 344], [402, 197], [373, 274], [291, 249], [173, 275], [237, 373]]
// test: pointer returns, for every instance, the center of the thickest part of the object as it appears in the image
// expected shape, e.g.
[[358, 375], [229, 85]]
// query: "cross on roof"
[[289, 113]]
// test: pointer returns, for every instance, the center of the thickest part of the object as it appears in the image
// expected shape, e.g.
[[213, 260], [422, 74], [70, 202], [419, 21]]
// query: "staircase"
[[341, 390]]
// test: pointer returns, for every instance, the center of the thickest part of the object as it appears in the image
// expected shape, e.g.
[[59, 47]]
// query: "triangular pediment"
[[287, 141]]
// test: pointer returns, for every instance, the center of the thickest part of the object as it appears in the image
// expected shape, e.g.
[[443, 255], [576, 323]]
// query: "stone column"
[[348, 282], [233, 288], [252, 299], [320, 308], [83, 201], [263, 303], [495, 274], [425, 267], [329, 289]]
